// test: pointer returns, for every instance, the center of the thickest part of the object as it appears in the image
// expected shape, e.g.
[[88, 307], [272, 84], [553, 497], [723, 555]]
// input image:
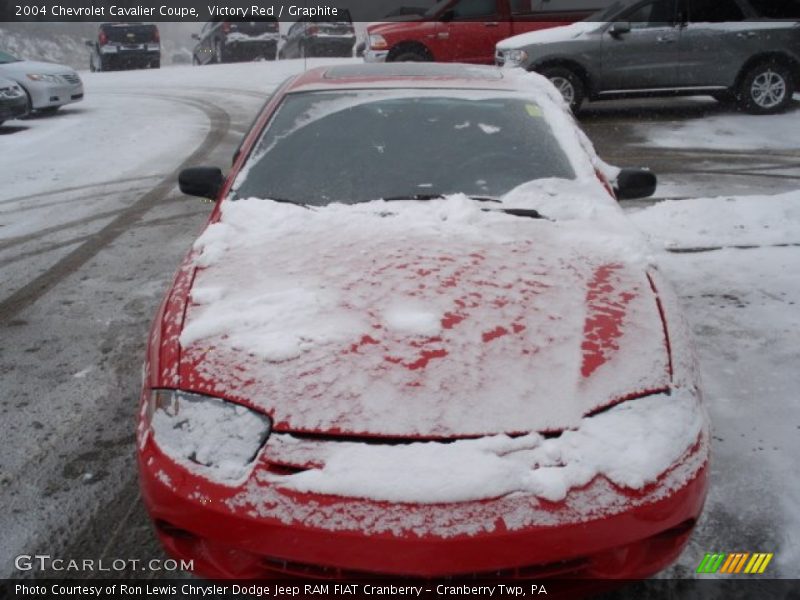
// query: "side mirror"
[[204, 182], [635, 183], [195, 36], [447, 15], [619, 28]]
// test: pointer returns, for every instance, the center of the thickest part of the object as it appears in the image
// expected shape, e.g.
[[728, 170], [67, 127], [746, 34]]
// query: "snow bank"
[[723, 221]]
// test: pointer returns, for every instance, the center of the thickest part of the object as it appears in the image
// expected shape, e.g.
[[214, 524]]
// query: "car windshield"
[[5, 57], [358, 146]]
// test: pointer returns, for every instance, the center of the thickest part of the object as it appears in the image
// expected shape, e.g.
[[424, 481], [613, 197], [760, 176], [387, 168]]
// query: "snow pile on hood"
[[737, 221], [631, 445]]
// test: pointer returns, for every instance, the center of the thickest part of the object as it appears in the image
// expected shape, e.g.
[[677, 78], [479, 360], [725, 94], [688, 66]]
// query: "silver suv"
[[735, 50]]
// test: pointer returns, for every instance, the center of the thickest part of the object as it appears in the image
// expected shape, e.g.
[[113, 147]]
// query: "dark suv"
[[741, 51], [125, 46], [232, 41], [320, 37]]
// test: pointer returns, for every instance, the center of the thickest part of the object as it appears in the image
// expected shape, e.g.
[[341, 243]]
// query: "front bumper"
[[13, 108], [47, 95], [244, 48], [331, 45], [259, 530], [375, 56]]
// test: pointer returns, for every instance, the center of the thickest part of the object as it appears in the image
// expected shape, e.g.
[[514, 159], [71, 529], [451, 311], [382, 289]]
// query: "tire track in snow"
[[72, 241], [78, 188], [28, 294]]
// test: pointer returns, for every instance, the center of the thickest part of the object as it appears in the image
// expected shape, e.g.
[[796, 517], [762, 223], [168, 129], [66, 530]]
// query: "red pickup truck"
[[467, 30]]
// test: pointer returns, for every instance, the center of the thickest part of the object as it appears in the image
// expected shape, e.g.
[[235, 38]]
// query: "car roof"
[[402, 75], [131, 24]]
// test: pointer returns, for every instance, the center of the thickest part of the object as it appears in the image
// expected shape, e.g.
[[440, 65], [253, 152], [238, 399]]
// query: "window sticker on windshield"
[[533, 110]]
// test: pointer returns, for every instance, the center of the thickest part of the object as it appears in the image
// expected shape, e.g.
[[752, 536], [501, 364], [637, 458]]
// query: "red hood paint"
[[530, 340]]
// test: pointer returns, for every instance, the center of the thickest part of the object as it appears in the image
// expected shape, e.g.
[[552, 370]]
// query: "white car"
[[48, 86]]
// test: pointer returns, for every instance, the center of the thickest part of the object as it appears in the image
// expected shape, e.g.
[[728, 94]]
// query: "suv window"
[[714, 11], [467, 9], [134, 34], [660, 13], [770, 9], [521, 7]]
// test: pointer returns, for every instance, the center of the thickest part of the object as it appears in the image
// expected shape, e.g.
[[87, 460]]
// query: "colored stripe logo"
[[735, 562]]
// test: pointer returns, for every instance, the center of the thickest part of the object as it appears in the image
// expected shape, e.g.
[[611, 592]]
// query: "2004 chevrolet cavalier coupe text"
[[440, 352]]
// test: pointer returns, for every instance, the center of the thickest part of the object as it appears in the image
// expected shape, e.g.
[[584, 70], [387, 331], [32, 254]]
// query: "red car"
[[467, 30], [419, 338]]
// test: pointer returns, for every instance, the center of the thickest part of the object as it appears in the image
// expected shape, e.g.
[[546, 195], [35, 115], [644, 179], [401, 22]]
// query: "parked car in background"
[[407, 11], [467, 30], [47, 86], [13, 101], [329, 351], [320, 37], [723, 48], [234, 41], [125, 46]]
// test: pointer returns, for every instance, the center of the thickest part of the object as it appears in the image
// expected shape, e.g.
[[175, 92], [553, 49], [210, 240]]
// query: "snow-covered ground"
[[727, 131], [70, 355], [742, 304]]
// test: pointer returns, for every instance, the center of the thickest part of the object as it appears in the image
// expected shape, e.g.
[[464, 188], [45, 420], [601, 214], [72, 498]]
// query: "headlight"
[[376, 42], [219, 438], [43, 77], [514, 58]]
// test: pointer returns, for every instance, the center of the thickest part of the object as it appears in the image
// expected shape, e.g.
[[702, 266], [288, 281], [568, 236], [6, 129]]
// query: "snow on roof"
[[413, 70]]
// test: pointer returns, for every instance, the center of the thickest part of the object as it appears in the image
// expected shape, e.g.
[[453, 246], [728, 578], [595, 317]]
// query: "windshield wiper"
[[530, 213], [437, 197]]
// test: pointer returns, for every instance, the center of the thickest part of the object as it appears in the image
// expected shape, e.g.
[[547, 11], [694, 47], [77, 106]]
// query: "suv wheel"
[[766, 88], [568, 83], [410, 56]]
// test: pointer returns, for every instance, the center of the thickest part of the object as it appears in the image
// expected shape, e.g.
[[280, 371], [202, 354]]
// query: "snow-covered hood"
[[417, 319], [564, 33], [23, 67]]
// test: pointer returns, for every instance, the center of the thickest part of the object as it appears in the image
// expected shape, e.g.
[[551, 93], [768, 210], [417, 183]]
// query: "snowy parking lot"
[[92, 228]]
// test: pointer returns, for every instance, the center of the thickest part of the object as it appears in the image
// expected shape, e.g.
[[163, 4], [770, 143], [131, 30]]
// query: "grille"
[[71, 78], [562, 569]]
